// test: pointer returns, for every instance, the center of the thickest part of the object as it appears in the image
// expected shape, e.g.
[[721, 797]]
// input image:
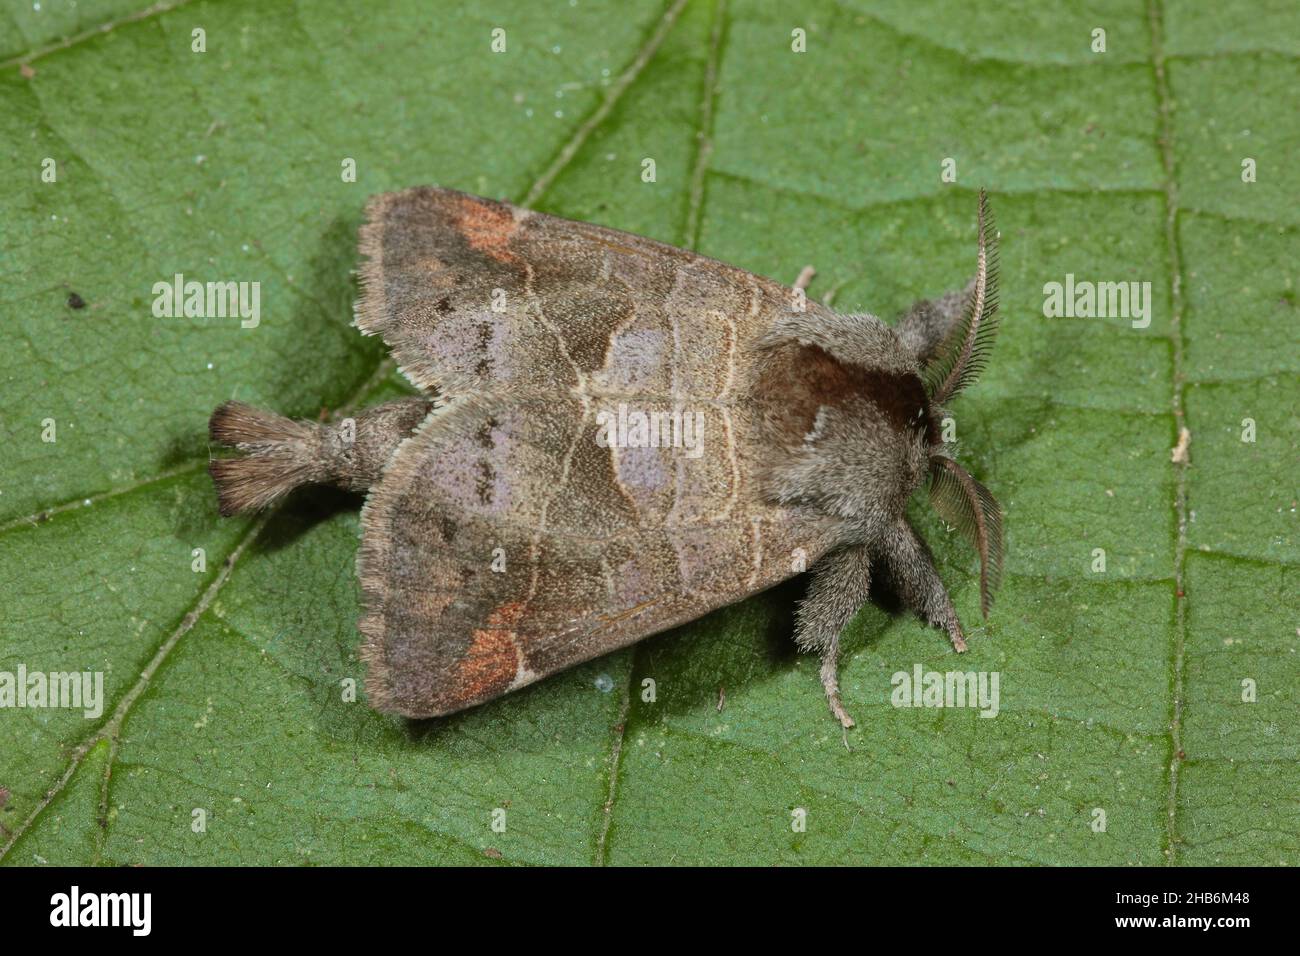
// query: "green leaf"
[[225, 735]]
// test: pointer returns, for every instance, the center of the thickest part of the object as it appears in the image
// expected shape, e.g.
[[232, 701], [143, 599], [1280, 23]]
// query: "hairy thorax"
[[847, 439]]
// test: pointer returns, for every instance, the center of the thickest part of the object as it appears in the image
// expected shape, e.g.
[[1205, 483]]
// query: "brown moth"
[[614, 437]]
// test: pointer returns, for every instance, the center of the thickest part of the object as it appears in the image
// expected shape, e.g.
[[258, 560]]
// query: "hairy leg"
[[840, 582], [911, 568]]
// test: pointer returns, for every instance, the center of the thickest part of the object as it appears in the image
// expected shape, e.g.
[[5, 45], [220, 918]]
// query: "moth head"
[[961, 501]]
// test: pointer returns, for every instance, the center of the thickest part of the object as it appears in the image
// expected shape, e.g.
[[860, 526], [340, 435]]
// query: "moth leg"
[[912, 570], [927, 323], [805, 278], [840, 582]]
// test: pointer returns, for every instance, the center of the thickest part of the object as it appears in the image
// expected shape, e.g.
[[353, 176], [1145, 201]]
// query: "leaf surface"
[[1120, 691]]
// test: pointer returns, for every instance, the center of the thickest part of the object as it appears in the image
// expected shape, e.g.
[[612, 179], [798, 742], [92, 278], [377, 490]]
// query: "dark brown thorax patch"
[[804, 378]]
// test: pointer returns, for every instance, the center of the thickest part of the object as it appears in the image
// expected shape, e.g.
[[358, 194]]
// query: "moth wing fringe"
[[370, 313], [377, 533]]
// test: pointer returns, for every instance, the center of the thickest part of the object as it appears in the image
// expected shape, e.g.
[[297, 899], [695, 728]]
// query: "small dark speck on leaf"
[[1182, 755], [75, 301]]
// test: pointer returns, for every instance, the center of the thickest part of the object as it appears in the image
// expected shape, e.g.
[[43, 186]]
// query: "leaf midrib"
[[1164, 137]]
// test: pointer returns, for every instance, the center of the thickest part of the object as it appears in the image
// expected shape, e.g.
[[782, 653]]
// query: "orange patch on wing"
[[487, 228], [491, 661]]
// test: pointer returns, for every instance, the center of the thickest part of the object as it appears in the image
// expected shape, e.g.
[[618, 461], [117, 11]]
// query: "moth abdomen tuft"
[[281, 454], [252, 483], [239, 425]]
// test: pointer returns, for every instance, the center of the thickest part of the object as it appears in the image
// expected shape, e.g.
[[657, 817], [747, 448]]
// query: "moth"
[[510, 530]]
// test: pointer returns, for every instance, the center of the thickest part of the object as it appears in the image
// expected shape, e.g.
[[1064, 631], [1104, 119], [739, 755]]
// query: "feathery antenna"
[[965, 352], [971, 508]]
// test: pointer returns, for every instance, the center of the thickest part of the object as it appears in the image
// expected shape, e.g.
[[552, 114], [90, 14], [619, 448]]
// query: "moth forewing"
[[606, 447]]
